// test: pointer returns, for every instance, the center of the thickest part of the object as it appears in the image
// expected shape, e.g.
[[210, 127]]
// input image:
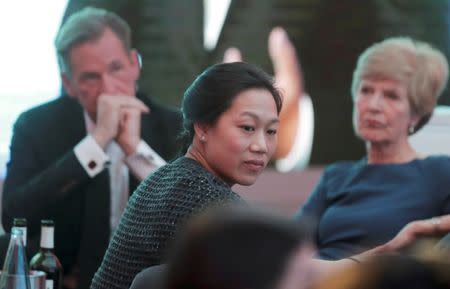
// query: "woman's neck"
[[194, 154], [390, 153]]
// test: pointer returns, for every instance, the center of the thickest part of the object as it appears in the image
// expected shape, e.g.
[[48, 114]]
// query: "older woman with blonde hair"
[[420, 68], [364, 204]]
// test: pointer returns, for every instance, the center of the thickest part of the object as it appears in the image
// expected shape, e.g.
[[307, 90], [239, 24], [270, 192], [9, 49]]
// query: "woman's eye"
[[247, 128], [365, 90], [272, 131], [391, 95]]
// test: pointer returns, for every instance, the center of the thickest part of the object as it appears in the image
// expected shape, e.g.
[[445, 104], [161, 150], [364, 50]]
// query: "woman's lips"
[[254, 165], [373, 123]]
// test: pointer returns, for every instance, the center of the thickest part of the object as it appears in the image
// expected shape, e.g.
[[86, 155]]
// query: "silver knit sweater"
[[157, 209]]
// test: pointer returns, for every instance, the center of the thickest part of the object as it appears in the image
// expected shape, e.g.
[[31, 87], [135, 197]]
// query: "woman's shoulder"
[[435, 171], [178, 168], [435, 164], [436, 159]]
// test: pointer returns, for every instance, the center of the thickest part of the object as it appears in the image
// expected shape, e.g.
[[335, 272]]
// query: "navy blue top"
[[358, 205]]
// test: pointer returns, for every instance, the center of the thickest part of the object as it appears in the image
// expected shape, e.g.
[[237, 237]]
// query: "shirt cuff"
[[144, 161], [91, 156], [300, 153]]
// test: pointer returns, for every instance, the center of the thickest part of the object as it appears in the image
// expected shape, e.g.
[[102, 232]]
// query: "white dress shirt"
[[93, 159]]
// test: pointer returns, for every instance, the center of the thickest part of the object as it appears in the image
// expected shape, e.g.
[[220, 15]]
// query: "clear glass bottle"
[[21, 224], [15, 273], [46, 260]]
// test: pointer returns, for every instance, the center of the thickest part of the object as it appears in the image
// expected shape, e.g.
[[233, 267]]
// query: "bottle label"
[[48, 284], [47, 237]]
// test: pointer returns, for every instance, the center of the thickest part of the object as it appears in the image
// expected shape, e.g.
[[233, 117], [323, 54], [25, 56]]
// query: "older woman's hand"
[[434, 227]]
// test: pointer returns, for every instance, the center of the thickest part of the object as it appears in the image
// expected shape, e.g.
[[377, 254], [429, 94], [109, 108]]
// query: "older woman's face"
[[382, 111], [239, 146]]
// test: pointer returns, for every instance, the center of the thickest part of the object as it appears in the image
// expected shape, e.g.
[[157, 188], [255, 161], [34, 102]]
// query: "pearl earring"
[[202, 138], [411, 129]]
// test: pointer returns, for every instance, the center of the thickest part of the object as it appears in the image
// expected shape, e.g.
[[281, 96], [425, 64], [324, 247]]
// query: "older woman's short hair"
[[422, 68]]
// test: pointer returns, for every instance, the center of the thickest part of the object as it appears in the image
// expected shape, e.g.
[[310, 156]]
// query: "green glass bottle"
[[46, 260]]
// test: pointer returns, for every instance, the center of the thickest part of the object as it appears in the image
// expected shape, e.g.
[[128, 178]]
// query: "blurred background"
[[177, 39]]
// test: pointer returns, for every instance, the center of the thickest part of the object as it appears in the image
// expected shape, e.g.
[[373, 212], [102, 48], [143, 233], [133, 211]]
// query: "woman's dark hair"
[[234, 248], [213, 91]]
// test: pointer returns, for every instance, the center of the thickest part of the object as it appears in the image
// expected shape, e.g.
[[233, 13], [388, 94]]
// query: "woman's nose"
[[259, 143], [376, 101]]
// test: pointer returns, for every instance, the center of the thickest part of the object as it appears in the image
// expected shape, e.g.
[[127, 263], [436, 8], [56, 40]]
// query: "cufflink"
[[92, 164]]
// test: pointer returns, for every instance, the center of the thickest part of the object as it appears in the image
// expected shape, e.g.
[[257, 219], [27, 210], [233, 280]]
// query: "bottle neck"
[[16, 259], [24, 234], [47, 234]]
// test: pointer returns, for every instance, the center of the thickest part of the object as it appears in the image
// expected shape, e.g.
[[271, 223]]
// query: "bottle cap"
[[47, 223], [20, 222]]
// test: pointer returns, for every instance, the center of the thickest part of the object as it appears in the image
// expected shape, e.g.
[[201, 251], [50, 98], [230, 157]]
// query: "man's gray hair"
[[87, 25]]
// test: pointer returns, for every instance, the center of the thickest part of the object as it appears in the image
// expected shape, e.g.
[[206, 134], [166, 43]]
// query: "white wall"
[[434, 137], [29, 73]]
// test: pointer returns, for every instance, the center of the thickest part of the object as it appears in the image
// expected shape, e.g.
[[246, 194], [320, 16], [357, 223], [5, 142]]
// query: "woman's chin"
[[372, 137], [247, 180]]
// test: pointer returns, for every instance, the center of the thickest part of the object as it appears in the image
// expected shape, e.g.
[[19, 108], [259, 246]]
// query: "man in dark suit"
[[76, 159]]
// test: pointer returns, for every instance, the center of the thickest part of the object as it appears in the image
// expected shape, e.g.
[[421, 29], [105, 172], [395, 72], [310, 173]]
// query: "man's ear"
[[67, 84], [136, 63]]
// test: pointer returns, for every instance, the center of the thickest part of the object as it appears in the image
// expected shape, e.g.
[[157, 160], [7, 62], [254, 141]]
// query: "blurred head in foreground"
[[236, 248]]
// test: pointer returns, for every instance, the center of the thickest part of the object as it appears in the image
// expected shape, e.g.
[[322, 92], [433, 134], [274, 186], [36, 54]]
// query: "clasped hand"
[[119, 118]]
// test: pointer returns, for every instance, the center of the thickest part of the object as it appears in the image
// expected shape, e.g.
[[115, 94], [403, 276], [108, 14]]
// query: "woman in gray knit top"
[[230, 120]]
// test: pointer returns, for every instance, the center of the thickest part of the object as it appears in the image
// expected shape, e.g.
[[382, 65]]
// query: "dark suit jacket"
[[45, 180]]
